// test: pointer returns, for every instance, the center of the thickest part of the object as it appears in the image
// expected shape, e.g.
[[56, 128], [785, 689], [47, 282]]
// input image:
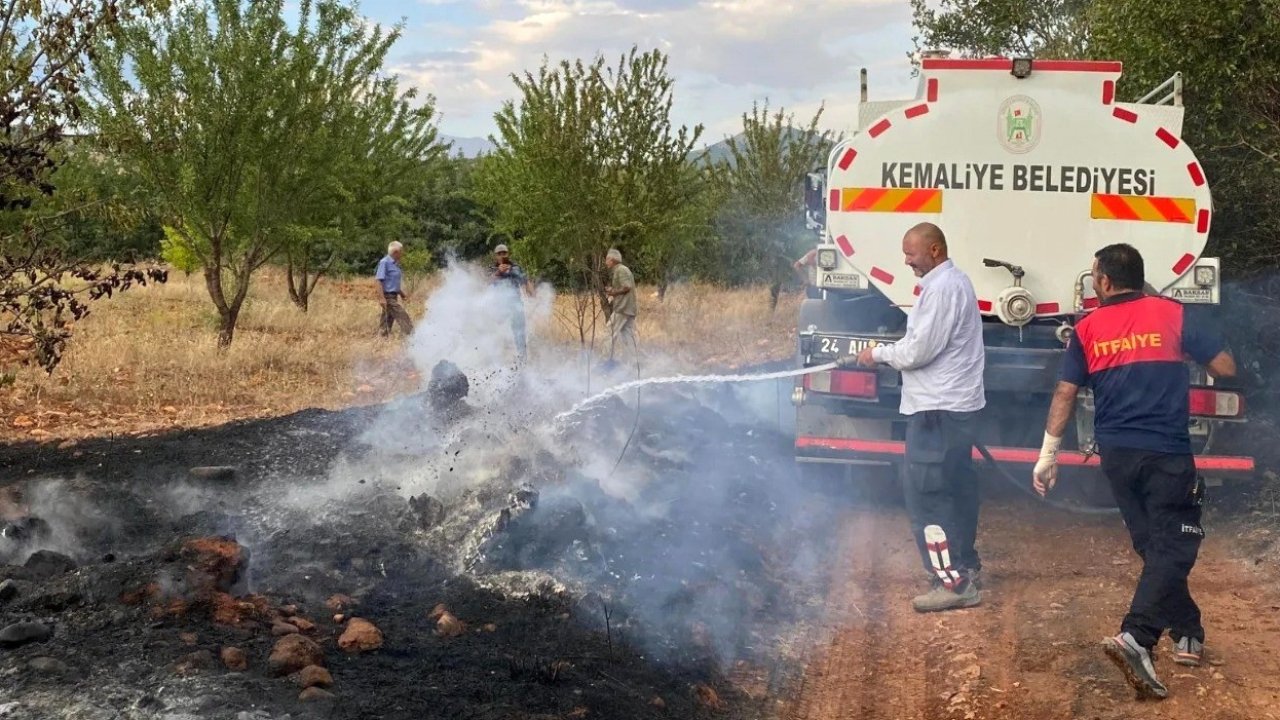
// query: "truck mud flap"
[[835, 449]]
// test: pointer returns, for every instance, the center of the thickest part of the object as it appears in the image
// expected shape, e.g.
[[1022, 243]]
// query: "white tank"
[[1039, 172]]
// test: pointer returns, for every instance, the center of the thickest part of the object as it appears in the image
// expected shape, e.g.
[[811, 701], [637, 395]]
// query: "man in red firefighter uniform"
[[1130, 353]]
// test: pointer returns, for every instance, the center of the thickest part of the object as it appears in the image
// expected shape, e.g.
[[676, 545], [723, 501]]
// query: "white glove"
[[1045, 474]]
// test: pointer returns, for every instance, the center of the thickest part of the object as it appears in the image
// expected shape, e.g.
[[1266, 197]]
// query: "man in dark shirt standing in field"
[[389, 277], [511, 279], [1130, 353]]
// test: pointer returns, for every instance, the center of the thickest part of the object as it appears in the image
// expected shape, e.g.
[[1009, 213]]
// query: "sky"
[[723, 54]]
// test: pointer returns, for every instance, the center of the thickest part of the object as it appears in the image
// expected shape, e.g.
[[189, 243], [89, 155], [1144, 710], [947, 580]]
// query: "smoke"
[[68, 521], [677, 505]]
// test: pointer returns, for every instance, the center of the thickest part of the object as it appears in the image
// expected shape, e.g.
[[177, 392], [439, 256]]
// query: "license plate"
[[829, 345]]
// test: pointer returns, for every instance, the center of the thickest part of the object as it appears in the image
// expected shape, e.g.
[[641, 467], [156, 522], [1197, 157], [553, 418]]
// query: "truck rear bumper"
[[824, 449]]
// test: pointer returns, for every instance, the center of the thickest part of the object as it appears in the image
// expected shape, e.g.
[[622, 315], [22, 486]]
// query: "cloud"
[[723, 53]]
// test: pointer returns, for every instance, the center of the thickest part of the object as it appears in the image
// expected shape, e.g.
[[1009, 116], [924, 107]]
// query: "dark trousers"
[[1160, 498], [941, 484], [392, 313]]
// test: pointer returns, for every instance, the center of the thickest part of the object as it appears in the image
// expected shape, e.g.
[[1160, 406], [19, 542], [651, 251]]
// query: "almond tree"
[[253, 136], [43, 289], [587, 158], [762, 181]]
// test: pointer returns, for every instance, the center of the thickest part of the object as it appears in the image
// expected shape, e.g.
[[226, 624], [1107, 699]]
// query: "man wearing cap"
[[511, 278], [389, 276], [622, 293]]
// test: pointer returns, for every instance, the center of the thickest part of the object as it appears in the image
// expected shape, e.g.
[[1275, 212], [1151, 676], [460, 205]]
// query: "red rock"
[[213, 564], [360, 636], [227, 610], [234, 659], [188, 638], [450, 626], [339, 602], [437, 611], [303, 624], [339, 619], [280, 629], [707, 698], [314, 676], [292, 653], [658, 702], [314, 694], [490, 627], [288, 610]]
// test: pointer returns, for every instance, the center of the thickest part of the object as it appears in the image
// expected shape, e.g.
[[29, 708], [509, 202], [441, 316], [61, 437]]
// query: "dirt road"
[[1055, 585]]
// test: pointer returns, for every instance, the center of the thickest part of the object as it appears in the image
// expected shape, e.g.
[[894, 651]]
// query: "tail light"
[[851, 383], [1210, 402]]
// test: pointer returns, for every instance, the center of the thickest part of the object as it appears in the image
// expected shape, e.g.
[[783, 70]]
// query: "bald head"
[[925, 248]]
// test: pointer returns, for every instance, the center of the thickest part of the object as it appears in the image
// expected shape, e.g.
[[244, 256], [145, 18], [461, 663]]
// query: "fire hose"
[[1008, 477], [703, 379]]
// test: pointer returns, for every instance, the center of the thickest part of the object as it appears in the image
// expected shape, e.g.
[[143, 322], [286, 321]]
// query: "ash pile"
[[437, 557]]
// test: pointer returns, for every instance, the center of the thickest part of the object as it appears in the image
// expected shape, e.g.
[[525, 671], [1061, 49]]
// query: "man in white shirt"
[[942, 360]]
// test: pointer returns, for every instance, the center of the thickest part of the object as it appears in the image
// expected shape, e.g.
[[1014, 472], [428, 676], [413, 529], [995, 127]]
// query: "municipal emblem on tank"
[[1019, 124]]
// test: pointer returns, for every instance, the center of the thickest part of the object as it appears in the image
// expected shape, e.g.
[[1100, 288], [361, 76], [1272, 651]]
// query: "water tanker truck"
[[1029, 167]]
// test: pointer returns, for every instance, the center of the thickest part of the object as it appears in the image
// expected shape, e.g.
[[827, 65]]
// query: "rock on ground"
[[48, 666], [19, 634], [45, 564], [314, 676], [360, 636], [234, 659], [314, 694], [293, 653]]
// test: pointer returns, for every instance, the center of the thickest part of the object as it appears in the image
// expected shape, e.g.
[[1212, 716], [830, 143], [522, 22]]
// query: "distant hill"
[[719, 152], [475, 146], [468, 146]]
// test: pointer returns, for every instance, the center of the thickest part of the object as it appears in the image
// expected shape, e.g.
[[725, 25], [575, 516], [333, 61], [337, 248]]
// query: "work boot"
[[1135, 662], [975, 577], [940, 598], [1188, 651]]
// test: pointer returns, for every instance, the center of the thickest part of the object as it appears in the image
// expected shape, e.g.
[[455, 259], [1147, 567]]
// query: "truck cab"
[[1029, 167]]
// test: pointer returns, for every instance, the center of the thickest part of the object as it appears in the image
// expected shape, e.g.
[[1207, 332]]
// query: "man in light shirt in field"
[[622, 321], [942, 360], [389, 277]]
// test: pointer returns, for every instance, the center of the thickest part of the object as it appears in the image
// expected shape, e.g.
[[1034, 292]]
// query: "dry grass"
[[147, 361]]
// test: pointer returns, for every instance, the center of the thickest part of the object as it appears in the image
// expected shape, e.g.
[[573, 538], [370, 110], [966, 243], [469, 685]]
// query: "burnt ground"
[[668, 596], [698, 578]]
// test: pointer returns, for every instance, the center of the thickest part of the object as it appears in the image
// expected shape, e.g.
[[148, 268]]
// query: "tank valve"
[[1064, 333], [1015, 306]]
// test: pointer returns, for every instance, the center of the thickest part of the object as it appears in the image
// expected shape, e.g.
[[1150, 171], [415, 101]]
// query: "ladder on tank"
[[1172, 93]]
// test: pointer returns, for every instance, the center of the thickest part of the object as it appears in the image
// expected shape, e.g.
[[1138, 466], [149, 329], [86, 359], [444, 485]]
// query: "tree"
[[588, 159], [978, 28], [373, 148], [251, 137], [762, 180], [447, 214], [1230, 58], [43, 287]]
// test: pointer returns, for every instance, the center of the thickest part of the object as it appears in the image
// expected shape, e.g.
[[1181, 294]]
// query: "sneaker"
[[1135, 662], [940, 598], [1188, 651]]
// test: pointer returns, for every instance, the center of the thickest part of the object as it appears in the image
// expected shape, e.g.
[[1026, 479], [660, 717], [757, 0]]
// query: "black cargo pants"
[[1160, 498], [941, 484]]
